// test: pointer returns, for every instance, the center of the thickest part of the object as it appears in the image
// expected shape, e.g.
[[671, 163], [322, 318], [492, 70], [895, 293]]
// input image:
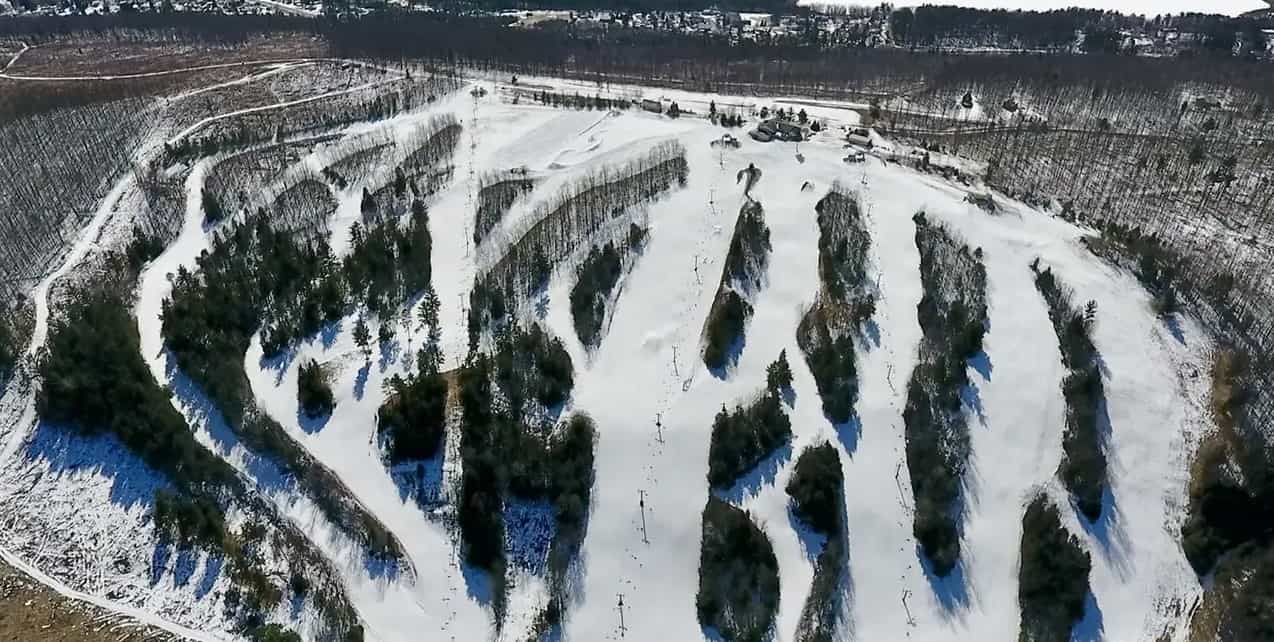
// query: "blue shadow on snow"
[[1092, 627], [763, 474]]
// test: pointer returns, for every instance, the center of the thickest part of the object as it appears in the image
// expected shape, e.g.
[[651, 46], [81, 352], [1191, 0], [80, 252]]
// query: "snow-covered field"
[[647, 367]]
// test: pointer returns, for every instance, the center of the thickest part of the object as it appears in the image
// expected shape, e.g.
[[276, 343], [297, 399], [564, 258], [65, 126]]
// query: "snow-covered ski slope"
[[647, 367]]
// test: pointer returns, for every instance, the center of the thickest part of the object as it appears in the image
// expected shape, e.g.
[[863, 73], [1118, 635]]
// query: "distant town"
[[936, 28]]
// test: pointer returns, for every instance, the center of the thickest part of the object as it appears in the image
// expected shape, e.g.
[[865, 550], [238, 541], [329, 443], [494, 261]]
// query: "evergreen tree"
[[363, 336], [778, 375]]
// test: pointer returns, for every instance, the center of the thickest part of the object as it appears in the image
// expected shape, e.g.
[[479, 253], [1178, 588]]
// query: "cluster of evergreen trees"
[[1083, 467], [845, 302], [412, 419], [1052, 575], [254, 278], [93, 379], [510, 448], [817, 489], [742, 438], [596, 278], [745, 265], [738, 575], [953, 316], [314, 394]]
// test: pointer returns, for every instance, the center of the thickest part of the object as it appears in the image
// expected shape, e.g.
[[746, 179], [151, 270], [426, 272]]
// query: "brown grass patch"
[[32, 612], [1221, 446]]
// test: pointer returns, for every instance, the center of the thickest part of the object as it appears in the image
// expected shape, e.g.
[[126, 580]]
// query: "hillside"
[[362, 423]]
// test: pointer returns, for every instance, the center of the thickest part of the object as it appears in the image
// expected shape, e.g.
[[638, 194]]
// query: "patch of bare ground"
[[32, 612], [98, 56]]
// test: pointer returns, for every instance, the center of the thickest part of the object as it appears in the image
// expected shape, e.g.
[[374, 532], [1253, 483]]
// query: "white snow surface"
[[648, 365]]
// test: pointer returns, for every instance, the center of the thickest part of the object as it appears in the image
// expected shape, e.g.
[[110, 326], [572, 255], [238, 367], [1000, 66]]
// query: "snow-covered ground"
[[648, 367]]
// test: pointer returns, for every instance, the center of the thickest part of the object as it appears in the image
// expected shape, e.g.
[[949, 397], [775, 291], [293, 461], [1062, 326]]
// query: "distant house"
[[788, 131], [775, 129], [653, 106]]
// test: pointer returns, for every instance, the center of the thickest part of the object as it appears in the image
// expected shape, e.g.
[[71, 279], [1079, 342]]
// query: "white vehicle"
[[855, 157]]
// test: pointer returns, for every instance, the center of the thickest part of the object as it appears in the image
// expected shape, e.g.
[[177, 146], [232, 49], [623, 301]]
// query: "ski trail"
[[283, 105], [881, 549], [14, 59], [85, 242], [649, 366]]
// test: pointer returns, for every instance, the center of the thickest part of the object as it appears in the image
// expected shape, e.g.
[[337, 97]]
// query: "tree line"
[[745, 264], [600, 201], [953, 316], [1083, 467], [845, 302]]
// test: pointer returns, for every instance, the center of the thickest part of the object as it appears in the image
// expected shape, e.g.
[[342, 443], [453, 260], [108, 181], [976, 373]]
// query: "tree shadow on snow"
[[311, 425], [213, 565], [268, 475], [812, 542], [971, 398], [541, 305], [530, 526], [1109, 533], [360, 380], [849, 432], [981, 363], [421, 481], [1092, 627], [67, 451], [763, 474], [870, 333], [478, 584], [711, 634], [388, 354], [279, 363], [159, 557], [952, 591], [732, 355], [327, 335], [1108, 530], [381, 567], [1174, 327]]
